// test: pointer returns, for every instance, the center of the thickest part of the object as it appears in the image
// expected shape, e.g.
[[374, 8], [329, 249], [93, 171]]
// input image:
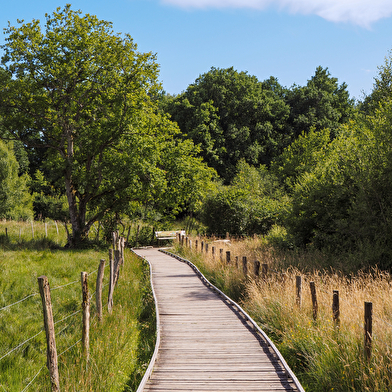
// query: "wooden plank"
[[204, 345]]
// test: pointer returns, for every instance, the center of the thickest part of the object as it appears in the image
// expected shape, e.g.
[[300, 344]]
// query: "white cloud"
[[359, 12]]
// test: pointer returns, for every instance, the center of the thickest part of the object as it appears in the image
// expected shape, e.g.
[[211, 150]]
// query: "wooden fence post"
[[298, 287], [196, 244], [111, 281], [244, 265], [336, 308], [117, 263], [46, 230], [190, 244], [236, 261], [221, 254], [213, 252], [52, 364], [314, 299], [264, 271], [256, 268], [98, 289], [206, 247], [228, 257], [202, 246], [86, 316], [368, 329]]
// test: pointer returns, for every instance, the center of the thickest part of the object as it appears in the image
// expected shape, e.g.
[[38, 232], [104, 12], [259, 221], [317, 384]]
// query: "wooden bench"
[[168, 235]]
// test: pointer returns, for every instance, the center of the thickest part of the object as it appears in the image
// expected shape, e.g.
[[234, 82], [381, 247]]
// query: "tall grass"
[[324, 356], [115, 343]]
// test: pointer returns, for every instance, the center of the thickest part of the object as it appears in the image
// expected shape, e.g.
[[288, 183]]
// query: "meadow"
[[324, 354], [120, 345]]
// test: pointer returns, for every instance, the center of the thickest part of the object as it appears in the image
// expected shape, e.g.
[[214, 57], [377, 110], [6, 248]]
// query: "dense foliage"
[[83, 101]]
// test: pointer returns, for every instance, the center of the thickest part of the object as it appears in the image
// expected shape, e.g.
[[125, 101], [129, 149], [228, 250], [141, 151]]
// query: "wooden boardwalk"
[[205, 344]]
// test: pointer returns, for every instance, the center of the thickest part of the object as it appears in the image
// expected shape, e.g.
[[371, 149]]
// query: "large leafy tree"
[[86, 96], [322, 103], [232, 116]]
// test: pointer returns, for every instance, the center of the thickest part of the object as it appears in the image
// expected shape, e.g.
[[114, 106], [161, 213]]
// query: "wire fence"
[[10, 306]]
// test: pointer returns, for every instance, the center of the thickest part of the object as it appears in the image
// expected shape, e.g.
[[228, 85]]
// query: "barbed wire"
[[67, 317], [69, 348]]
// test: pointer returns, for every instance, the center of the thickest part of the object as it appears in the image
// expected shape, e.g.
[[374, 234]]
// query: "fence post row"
[[111, 281], [52, 363]]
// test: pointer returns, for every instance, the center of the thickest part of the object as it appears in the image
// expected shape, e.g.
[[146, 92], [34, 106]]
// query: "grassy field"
[[325, 356], [120, 345]]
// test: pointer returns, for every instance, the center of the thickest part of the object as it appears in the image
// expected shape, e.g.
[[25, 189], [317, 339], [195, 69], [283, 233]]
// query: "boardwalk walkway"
[[205, 344]]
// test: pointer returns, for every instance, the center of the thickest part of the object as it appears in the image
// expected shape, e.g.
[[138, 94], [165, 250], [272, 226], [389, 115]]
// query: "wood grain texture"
[[204, 343]]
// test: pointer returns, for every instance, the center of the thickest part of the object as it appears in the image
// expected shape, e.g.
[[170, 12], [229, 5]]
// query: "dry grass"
[[325, 356]]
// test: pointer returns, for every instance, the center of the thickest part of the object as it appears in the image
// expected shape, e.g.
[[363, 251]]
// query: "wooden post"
[[196, 244], [335, 308], [190, 244], [86, 316], [98, 289], [256, 268], [264, 271], [206, 247], [228, 257], [368, 329], [221, 254], [202, 246], [244, 265], [52, 364], [186, 241], [117, 263], [111, 281], [46, 230], [314, 299], [236, 261], [298, 286], [213, 252], [6, 233]]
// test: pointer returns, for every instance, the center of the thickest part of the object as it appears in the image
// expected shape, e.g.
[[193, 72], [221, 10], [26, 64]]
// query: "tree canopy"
[[87, 98], [232, 116]]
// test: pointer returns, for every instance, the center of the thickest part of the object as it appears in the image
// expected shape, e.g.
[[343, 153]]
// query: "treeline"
[[89, 135], [306, 166]]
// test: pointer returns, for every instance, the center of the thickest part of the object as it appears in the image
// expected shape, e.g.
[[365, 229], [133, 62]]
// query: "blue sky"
[[287, 39]]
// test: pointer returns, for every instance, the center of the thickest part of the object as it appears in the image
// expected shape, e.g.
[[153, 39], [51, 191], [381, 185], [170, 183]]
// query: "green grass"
[[323, 356], [120, 346]]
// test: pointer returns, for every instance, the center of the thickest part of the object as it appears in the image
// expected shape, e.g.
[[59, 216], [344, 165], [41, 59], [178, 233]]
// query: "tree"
[[86, 97], [15, 199], [232, 116], [322, 103]]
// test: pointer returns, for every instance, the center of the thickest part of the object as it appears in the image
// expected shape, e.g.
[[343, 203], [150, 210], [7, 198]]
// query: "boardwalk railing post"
[[98, 289], [52, 364], [298, 289], [111, 281], [86, 316], [314, 299], [368, 329], [335, 308]]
